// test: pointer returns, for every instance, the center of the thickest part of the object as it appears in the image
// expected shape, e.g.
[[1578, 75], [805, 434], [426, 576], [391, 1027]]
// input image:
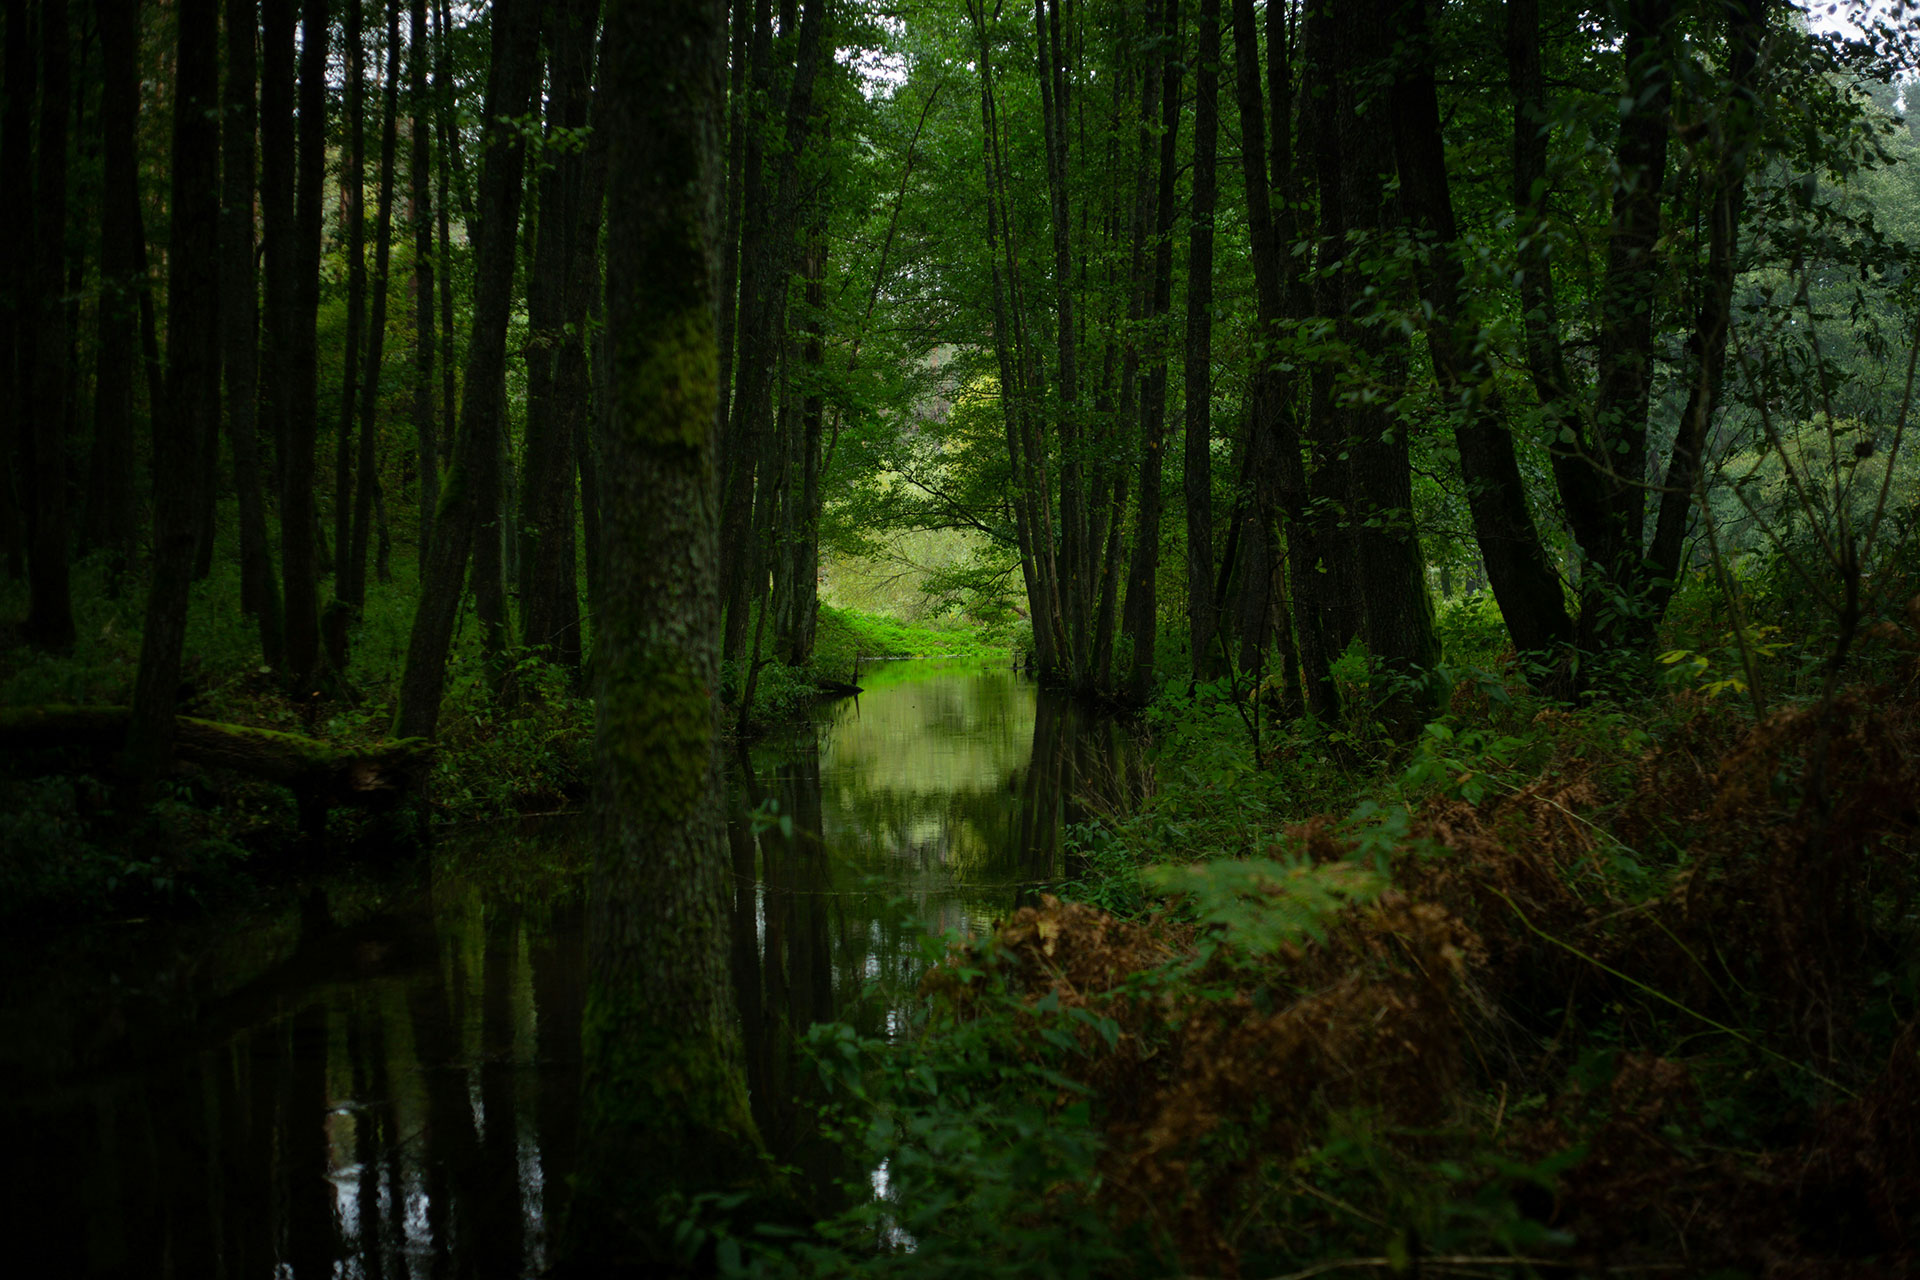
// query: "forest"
[[1431, 478]]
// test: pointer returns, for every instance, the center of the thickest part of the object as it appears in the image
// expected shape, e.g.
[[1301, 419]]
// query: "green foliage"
[[1259, 905]]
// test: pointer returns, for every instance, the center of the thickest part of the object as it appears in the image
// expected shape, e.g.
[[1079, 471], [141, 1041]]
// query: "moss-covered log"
[[319, 773]]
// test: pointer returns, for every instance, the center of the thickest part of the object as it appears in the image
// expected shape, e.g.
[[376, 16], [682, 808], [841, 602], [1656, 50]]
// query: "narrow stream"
[[381, 1082]]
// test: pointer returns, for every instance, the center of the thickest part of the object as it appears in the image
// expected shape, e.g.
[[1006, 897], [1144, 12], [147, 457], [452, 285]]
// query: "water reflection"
[[382, 1082]]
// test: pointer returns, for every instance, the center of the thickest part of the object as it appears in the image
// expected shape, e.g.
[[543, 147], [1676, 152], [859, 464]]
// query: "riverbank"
[[1620, 988], [516, 743]]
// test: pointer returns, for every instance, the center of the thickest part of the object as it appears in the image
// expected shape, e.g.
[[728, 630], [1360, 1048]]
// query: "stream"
[[380, 1079]]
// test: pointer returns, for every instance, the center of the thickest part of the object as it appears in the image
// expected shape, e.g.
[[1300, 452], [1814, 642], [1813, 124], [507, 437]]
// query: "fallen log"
[[318, 773]]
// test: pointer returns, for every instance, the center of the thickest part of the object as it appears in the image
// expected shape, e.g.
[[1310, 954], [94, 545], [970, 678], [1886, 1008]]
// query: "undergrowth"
[[1550, 989]]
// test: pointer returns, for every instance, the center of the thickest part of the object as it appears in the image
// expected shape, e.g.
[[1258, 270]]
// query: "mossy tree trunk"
[[665, 1095]]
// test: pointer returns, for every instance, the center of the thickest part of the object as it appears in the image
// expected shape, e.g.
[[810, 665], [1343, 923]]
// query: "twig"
[[1664, 997]]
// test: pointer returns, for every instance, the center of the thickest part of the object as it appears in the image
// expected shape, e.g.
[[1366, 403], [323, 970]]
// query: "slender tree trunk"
[[353, 184], [193, 389], [112, 507], [767, 266], [277, 150], [1734, 131], [802, 550], [1614, 572], [1398, 614], [1276, 476], [549, 594], [665, 1100], [16, 278], [49, 622], [449, 355], [1198, 480], [741, 24], [420, 219], [239, 328], [1142, 621], [1524, 583], [1076, 571], [299, 524], [470, 502], [355, 557]]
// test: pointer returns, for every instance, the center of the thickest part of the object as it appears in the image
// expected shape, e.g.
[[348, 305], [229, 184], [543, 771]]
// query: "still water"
[[379, 1080]]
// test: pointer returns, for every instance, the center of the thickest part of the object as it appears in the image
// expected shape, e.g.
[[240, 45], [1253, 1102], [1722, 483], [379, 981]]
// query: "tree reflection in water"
[[386, 1086]]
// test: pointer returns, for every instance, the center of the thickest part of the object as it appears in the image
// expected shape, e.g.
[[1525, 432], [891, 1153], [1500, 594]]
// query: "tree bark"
[[111, 505], [16, 277], [470, 500], [420, 219], [1398, 624], [239, 328], [1614, 574], [665, 1100], [49, 623], [549, 592], [1276, 477], [299, 524], [767, 268], [354, 558], [1197, 483], [1523, 580], [277, 151], [1142, 617], [193, 381], [1074, 557], [1734, 130], [353, 185]]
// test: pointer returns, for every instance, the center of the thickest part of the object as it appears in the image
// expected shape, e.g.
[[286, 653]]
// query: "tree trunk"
[[365, 491], [420, 218], [549, 592], [1523, 580], [1198, 479], [49, 622], [470, 502], [1142, 620], [1074, 557], [239, 328], [16, 278], [1398, 618], [1276, 477], [767, 267], [794, 642], [1734, 131], [193, 381], [277, 150], [112, 507], [299, 522], [1613, 574], [449, 356], [665, 1100], [353, 185]]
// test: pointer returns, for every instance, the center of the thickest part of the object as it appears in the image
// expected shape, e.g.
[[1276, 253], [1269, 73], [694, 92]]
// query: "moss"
[[664, 1110], [656, 729], [672, 380]]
